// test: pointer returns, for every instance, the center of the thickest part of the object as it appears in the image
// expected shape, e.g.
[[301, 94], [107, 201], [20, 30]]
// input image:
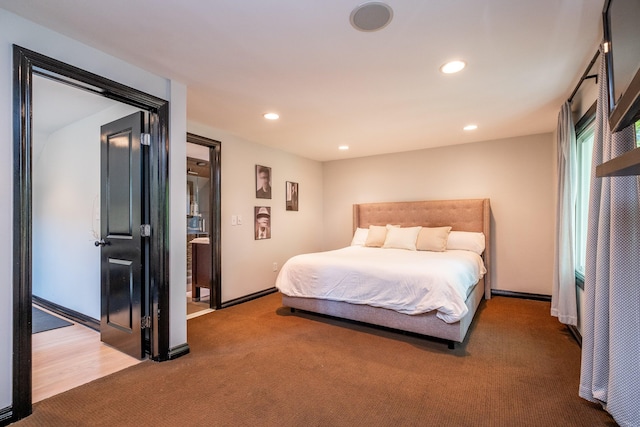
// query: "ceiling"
[[377, 92]]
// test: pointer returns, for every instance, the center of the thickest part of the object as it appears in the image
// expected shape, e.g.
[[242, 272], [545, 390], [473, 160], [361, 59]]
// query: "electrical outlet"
[[275, 266]]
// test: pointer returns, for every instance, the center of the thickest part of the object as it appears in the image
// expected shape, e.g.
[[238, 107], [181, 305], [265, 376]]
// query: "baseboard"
[[178, 351], [75, 316], [6, 416], [248, 297], [524, 295], [575, 333]]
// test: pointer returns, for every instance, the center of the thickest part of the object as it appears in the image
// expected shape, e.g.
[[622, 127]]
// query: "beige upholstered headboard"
[[461, 215]]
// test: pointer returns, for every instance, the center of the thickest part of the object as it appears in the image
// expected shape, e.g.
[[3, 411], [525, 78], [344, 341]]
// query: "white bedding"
[[409, 282]]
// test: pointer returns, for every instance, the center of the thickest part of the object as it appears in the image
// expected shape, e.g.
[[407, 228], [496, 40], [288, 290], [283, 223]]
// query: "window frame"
[[585, 123]]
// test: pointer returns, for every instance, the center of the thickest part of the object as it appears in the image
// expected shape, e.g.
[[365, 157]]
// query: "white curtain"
[[610, 371], [563, 298]]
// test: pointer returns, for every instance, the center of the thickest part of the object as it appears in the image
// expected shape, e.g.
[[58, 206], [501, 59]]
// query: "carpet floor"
[[256, 364]]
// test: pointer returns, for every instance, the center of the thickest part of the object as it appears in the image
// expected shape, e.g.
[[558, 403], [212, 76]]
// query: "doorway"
[[65, 190], [203, 225], [65, 216], [26, 64]]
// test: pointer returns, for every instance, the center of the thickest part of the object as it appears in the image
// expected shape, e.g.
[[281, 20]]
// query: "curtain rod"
[[586, 75]]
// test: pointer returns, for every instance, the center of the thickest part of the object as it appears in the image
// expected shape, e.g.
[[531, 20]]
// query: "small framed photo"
[[263, 182], [263, 222], [292, 196]]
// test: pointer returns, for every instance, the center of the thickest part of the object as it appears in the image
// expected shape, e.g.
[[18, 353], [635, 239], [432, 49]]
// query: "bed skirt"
[[423, 324]]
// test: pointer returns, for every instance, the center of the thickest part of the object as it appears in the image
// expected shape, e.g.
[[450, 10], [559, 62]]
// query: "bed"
[[465, 217]]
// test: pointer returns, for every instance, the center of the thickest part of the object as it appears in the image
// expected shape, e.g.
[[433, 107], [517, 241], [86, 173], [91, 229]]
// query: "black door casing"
[[25, 63]]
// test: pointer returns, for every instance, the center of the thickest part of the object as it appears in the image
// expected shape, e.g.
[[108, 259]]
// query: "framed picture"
[[263, 182], [262, 216], [292, 196]]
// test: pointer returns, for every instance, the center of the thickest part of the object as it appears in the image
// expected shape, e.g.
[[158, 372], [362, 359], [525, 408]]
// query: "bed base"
[[426, 324]]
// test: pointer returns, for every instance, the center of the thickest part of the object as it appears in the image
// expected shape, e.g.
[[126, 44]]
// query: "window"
[[584, 140], [584, 149]]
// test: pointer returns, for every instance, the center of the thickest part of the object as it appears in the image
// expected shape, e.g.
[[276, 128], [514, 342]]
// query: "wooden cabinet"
[[201, 266]]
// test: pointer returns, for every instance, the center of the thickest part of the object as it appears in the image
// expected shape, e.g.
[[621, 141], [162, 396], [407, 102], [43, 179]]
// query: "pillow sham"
[[433, 239], [466, 241], [376, 236], [360, 237], [401, 238]]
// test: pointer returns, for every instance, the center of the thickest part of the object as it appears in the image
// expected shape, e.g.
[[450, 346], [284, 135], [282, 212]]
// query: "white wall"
[[14, 29], [586, 94], [247, 264], [515, 173], [177, 218]]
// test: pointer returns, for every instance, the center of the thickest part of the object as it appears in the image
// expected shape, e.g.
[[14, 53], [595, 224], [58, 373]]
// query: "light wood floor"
[[67, 357], [195, 309]]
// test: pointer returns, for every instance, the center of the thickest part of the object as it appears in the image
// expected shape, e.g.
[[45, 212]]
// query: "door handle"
[[101, 242]]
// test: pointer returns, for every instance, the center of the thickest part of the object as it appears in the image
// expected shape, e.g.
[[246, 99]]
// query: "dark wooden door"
[[122, 247]]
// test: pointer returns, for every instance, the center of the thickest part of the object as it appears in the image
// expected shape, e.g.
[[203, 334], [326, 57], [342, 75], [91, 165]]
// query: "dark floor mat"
[[43, 321]]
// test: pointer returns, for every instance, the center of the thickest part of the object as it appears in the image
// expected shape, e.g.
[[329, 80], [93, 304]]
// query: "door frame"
[[215, 300], [25, 64]]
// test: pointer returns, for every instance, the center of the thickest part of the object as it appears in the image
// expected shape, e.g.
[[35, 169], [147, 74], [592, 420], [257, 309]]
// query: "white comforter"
[[409, 282]]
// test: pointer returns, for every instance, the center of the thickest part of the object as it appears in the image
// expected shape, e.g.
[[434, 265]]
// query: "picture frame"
[[263, 182], [262, 221], [291, 192]]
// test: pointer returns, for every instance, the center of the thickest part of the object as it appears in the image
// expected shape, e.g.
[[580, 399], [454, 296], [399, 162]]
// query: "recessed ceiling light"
[[271, 116], [343, 147], [453, 67], [470, 127]]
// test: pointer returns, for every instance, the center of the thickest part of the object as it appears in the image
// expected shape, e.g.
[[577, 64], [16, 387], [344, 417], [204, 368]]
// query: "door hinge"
[[145, 322], [145, 139], [145, 230]]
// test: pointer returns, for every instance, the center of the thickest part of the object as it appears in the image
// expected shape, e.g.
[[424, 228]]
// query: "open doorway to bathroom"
[[203, 293]]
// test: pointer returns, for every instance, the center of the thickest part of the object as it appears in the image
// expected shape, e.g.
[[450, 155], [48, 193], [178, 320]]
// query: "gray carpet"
[[43, 321]]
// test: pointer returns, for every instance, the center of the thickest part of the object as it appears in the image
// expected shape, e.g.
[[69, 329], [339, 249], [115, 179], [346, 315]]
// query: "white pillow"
[[401, 238], [360, 236], [467, 241]]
